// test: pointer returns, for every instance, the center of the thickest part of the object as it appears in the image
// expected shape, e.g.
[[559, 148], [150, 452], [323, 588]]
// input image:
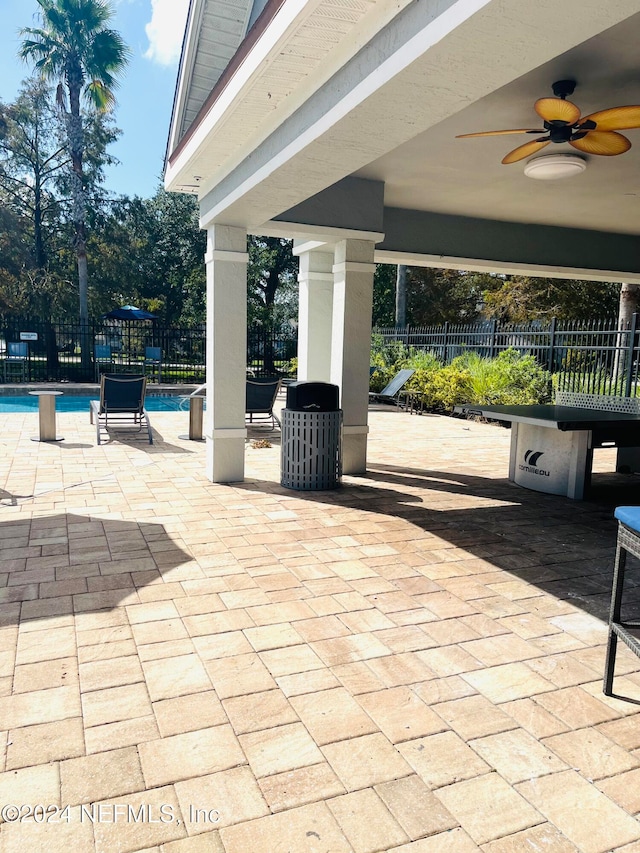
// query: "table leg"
[[47, 418], [513, 451], [196, 408], [580, 464]]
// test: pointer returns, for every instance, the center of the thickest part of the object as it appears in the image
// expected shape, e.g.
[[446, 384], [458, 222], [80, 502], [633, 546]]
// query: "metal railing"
[[55, 349], [597, 357]]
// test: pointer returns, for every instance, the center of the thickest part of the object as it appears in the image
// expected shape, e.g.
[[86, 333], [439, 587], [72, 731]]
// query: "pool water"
[[75, 403]]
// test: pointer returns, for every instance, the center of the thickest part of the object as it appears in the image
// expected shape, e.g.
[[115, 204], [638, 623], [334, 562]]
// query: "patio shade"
[[129, 312]]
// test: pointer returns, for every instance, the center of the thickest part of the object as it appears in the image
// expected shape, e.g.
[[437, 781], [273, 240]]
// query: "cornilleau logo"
[[531, 458]]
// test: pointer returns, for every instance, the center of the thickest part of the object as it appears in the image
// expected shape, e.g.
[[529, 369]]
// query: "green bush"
[[388, 358], [510, 379], [442, 389]]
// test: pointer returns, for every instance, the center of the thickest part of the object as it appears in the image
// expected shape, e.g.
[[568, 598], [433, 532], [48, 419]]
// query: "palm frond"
[[100, 95]]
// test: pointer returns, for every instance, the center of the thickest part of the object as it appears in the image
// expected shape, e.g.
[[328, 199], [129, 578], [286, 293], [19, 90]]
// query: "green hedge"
[[508, 379]]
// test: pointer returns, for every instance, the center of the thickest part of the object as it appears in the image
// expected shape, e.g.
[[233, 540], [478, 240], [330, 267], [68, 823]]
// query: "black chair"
[[627, 630], [391, 392], [261, 397], [121, 402]]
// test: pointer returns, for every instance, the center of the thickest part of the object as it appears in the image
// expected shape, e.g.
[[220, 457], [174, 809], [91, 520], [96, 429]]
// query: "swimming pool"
[[77, 403]]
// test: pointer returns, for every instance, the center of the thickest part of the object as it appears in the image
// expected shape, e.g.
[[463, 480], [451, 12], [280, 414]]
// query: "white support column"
[[315, 309], [225, 432], [351, 345]]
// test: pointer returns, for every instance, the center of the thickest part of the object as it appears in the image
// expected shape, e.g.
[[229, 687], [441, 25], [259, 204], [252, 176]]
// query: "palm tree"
[[75, 47]]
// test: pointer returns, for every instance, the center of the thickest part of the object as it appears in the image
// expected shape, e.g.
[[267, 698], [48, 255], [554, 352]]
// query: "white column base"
[[354, 449], [225, 455]]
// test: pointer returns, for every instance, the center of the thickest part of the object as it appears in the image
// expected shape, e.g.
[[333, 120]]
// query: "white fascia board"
[[187, 61], [413, 259], [415, 47], [267, 47]]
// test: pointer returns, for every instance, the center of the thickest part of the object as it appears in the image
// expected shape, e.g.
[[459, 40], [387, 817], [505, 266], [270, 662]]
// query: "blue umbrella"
[[129, 312]]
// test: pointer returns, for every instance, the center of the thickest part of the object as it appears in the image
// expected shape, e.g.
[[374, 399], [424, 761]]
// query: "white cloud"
[[165, 30]]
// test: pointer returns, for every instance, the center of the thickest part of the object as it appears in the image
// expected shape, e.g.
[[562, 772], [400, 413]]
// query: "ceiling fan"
[[592, 134]]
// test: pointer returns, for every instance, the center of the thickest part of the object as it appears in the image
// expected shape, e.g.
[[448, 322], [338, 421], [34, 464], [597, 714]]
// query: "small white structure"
[[334, 122]]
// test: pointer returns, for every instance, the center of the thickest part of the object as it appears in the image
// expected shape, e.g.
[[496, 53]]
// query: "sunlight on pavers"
[[411, 662]]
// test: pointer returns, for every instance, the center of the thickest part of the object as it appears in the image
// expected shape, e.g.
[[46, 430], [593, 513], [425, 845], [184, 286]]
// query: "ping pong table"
[[552, 446]]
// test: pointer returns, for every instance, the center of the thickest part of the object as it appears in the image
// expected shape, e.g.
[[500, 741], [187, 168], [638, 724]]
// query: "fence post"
[[406, 336], [492, 339], [630, 350], [552, 344], [445, 341]]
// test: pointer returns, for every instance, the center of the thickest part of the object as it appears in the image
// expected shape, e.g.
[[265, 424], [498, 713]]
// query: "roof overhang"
[[383, 99]]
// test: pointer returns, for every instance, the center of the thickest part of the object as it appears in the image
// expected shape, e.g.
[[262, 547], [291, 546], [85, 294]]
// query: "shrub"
[[388, 358], [508, 379], [441, 389]]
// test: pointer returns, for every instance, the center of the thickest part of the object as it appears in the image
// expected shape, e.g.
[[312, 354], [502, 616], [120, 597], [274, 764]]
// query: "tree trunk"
[[629, 302], [628, 305], [75, 138], [401, 296]]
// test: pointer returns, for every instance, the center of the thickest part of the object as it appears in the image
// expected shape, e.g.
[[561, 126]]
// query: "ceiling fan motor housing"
[[562, 88]]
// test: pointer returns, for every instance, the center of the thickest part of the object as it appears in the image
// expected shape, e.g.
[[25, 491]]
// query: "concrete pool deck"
[[412, 662]]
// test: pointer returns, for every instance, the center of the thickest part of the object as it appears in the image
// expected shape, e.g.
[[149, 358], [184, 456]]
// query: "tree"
[[518, 299], [150, 253], [32, 156], [384, 286], [436, 296], [34, 187], [75, 47], [272, 294], [271, 275], [401, 296]]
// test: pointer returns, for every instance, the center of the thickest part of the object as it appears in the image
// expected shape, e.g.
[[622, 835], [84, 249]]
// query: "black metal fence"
[[66, 352], [594, 357], [600, 357]]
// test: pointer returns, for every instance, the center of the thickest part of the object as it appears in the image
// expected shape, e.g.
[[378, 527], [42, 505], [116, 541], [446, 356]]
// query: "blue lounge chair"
[[153, 363], [121, 402], [102, 359], [16, 360]]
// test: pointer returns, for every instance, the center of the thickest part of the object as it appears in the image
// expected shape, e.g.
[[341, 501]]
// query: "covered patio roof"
[[337, 118]]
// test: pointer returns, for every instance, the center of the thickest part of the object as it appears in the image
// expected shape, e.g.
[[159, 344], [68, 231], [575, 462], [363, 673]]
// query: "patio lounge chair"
[[261, 396], [121, 401], [102, 359], [153, 363], [16, 360], [390, 392]]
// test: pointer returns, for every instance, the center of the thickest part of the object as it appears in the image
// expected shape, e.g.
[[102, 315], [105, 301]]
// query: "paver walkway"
[[410, 663]]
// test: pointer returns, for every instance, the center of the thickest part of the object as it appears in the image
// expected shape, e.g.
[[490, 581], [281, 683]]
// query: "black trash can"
[[311, 450]]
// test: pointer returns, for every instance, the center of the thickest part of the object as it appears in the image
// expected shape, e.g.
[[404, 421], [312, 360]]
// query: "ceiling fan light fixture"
[[554, 167]]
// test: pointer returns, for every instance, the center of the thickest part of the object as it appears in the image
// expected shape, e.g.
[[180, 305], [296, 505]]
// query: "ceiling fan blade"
[[525, 150], [499, 132], [555, 109], [616, 118], [606, 142]]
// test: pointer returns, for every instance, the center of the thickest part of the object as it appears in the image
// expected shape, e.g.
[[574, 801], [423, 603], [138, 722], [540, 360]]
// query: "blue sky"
[[153, 30]]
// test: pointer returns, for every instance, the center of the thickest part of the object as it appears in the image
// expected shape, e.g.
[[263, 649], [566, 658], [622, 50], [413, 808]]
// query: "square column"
[[315, 309], [225, 431], [351, 345]]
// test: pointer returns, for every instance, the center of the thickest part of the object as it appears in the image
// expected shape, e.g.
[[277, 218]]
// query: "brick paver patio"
[[410, 663]]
